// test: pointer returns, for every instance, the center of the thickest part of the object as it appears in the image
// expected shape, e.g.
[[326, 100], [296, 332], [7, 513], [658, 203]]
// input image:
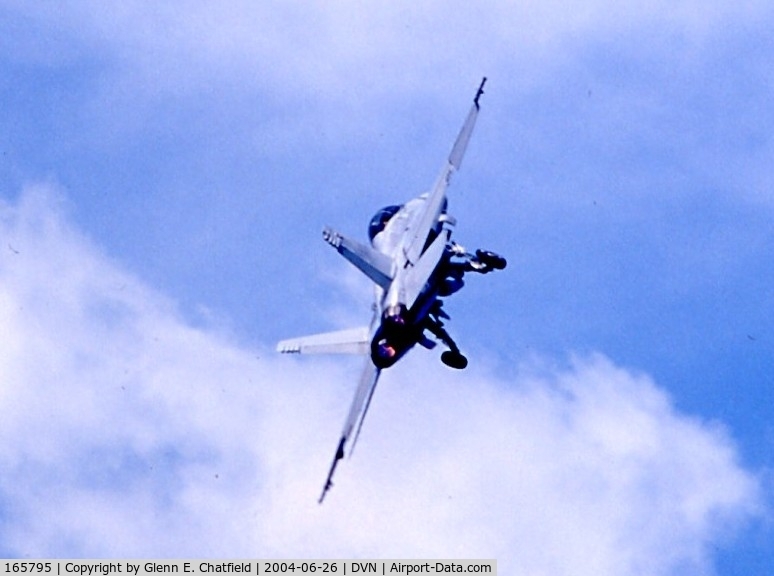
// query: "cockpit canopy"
[[380, 219]]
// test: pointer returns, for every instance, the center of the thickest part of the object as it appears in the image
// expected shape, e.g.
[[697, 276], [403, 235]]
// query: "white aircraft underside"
[[413, 264]]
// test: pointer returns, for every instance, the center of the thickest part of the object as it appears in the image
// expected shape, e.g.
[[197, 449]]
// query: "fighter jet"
[[414, 265]]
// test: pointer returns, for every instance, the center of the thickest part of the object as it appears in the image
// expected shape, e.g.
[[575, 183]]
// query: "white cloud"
[[333, 50], [129, 433]]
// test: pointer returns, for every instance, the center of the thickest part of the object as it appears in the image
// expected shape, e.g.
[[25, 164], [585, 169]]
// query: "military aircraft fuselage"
[[401, 327]]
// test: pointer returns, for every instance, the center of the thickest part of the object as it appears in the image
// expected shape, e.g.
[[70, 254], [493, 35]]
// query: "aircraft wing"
[[354, 421], [426, 218]]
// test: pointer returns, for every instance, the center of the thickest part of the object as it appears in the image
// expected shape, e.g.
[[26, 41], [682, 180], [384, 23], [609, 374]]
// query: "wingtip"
[[329, 480], [480, 92], [324, 492]]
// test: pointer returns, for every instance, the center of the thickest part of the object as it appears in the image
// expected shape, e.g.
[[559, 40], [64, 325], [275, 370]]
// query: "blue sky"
[[165, 175]]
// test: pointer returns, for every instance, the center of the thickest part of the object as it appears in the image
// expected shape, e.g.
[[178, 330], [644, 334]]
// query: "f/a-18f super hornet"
[[413, 264]]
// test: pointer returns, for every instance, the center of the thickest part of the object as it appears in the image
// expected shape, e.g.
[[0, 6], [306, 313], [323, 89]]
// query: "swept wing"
[[357, 412], [426, 218]]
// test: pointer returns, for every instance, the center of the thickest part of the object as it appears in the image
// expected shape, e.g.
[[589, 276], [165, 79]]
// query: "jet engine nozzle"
[[394, 337]]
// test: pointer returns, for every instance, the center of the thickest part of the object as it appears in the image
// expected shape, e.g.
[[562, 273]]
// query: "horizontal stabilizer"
[[370, 262], [350, 341]]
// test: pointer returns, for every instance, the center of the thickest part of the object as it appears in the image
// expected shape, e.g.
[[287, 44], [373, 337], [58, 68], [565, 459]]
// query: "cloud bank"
[[129, 433], [324, 45]]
